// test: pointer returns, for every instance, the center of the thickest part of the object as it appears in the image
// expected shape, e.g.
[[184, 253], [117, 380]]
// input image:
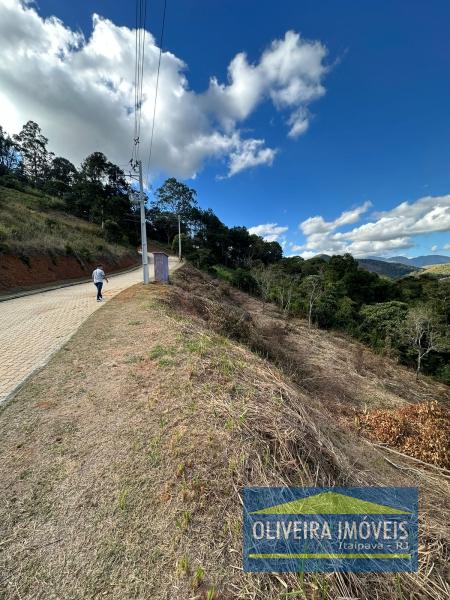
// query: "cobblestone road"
[[33, 327]]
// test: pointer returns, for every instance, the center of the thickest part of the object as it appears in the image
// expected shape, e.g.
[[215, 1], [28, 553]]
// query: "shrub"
[[48, 202], [12, 182], [85, 253], [244, 280], [381, 323], [444, 374], [113, 232], [4, 232]]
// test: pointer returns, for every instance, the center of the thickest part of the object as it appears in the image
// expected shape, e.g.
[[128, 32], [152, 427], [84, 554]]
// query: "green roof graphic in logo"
[[330, 503]]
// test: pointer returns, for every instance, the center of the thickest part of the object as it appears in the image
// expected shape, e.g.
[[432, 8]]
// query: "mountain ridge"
[[416, 261]]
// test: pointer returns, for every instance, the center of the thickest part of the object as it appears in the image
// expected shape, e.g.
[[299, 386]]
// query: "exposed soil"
[[21, 273]]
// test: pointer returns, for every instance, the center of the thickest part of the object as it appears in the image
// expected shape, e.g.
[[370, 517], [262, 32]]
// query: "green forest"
[[407, 319]]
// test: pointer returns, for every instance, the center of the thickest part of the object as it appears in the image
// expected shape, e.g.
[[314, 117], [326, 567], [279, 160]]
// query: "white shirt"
[[98, 275]]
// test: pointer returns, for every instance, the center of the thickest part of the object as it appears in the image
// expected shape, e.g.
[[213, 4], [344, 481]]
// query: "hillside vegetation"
[[40, 243], [407, 319], [100, 192], [386, 269], [33, 223], [123, 461], [439, 271]]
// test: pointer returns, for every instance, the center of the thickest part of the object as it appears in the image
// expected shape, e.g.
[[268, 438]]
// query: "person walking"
[[98, 275]]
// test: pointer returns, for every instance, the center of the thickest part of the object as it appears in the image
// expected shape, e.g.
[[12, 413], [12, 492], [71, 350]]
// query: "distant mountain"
[[403, 264], [418, 261], [386, 269]]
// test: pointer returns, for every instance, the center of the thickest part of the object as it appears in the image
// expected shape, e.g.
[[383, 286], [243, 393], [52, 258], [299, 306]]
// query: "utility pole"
[[143, 226], [179, 237]]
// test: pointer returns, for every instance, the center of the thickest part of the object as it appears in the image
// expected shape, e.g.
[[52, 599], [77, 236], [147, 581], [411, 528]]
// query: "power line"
[[161, 42], [141, 76], [140, 34], [136, 56]]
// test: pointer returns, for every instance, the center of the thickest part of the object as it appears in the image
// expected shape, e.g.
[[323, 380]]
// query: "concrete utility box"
[[161, 260]]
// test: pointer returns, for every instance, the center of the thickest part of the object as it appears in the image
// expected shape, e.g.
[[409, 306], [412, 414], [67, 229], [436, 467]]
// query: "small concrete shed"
[[161, 261]]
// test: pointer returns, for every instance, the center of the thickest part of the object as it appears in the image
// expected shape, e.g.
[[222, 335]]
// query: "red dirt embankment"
[[21, 273]]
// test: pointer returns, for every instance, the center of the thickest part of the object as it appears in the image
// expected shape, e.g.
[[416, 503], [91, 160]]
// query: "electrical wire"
[[140, 35], [161, 42]]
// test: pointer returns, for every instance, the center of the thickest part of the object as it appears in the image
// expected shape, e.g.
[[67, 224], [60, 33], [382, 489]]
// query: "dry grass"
[[342, 373], [33, 224], [124, 459], [419, 430]]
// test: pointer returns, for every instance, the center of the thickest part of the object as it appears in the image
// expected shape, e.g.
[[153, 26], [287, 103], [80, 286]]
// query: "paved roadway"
[[33, 327]]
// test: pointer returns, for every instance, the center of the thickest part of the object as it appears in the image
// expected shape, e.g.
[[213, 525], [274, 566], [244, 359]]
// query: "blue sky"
[[378, 133]]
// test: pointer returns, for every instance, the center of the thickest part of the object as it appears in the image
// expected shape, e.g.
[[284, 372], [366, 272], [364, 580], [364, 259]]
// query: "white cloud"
[[426, 215], [434, 248], [250, 153], [270, 231], [80, 91], [290, 72], [446, 247], [391, 230], [315, 225], [299, 122]]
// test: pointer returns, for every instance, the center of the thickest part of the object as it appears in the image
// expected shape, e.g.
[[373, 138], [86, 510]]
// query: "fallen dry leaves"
[[420, 430]]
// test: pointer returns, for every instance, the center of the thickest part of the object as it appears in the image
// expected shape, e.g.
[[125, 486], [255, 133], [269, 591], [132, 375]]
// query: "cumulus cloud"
[[250, 153], [317, 225], [426, 215], [388, 231], [290, 72], [81, 93], [271, 232], [434, 248]]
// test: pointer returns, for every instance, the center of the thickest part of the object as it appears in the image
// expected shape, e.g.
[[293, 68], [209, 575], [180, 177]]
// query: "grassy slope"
[[34, 224], [123, 460], [438, 270]]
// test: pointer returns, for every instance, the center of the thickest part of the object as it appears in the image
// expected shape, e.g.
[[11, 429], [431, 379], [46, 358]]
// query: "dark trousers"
[[99, 286]]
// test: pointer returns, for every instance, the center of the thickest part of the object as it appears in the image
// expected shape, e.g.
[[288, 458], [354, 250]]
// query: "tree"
[[259, 249], [101, 192], [95, 168], [264, 277], [381, 324], [211, 233], [61, 176], [293, 265], [340, 266], [238, 247], [33, 148], [9, 158], [422, 332], [62, 170], [314, 289], [284, 291], [174, 199]]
